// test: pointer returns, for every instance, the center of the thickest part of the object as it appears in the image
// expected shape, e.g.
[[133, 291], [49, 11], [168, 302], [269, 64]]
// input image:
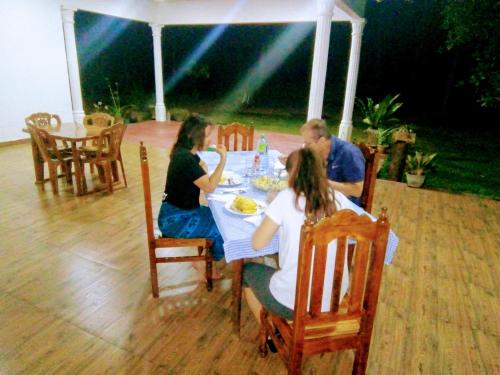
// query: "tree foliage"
[[473, 26]]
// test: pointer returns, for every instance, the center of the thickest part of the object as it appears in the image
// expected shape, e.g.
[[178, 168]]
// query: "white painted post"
[[345, 129], [68, 18], [320, 59], [160, 110]]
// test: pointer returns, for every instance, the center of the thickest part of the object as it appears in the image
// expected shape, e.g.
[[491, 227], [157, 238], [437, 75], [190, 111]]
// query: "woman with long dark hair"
[[308, 192], [181, 215]]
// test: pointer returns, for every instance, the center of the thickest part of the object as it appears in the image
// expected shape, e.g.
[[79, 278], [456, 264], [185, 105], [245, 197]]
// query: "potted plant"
[[383, 137], [416, 166], [380, 115], [404, 133], [116, 109]]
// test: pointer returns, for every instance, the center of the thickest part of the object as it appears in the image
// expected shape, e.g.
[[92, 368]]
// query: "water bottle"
[[262, 149]]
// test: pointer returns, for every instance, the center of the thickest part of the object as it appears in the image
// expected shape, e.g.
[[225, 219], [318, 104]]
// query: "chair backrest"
[[109, 142], [100, 119], [46, 144], [360, 306], [143, 153], [43, 120], [225, 133], [372, 158]]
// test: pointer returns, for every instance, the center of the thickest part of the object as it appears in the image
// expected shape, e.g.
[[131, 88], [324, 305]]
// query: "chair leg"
[[295, 361], [109, 177], [208, 266], [123, 170], [153, 272], [69, 178], [361, 359], [53, 177], [263, 334]]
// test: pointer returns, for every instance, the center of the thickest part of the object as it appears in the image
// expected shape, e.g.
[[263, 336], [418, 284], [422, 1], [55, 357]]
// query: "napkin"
[[224, 198], [255, 220]]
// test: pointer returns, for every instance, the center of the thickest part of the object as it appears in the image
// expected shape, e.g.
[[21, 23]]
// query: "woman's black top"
[[183, 170]]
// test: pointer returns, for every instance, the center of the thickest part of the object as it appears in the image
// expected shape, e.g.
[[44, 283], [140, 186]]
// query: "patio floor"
[[75, 294]]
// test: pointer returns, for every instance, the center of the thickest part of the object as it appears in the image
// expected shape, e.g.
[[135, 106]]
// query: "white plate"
[[261, 206], [232, 179]]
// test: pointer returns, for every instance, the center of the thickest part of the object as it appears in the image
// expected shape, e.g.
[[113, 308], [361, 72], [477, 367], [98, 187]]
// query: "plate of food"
[[230, 178], [266, 183], [245, 206]]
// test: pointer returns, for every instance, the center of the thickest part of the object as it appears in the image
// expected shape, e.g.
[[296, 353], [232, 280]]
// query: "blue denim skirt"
[[176, 222]]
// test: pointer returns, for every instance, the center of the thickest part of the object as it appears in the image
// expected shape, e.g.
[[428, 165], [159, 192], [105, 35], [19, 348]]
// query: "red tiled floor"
[[163, 135]]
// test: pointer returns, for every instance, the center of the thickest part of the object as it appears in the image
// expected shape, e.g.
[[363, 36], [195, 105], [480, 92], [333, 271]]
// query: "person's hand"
[[282, 159], [221, 150]]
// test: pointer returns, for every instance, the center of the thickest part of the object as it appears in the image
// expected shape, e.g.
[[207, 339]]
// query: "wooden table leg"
[[78, 169], [237, 281], [37, 163]]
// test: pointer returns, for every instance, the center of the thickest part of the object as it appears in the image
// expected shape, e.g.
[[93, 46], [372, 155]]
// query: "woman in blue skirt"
[[181, 215]]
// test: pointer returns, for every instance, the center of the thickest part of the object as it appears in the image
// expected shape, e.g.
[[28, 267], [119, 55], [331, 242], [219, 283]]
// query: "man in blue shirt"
[[345, 162]]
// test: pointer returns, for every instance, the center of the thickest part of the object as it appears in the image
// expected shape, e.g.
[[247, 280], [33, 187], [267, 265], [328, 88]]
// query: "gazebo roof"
[[200, 12]]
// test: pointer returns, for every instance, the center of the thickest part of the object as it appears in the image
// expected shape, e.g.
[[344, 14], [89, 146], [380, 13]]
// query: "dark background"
[[403, 51]]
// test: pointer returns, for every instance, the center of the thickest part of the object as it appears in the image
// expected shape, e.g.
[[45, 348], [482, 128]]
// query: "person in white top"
[[308, 187]]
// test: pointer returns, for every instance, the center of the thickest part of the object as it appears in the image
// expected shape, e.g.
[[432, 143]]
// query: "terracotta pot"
[[414, 180], [371, 137]]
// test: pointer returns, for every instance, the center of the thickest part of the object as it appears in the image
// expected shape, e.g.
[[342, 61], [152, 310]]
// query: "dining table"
[[74, 134], [237, 229]]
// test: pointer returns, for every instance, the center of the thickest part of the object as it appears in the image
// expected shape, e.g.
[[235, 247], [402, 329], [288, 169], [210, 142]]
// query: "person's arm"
[[264, 233], [353, 189], [209, 183]]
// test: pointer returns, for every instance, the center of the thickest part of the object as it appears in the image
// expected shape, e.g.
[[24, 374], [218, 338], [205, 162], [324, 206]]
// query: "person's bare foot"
[[201, 269]]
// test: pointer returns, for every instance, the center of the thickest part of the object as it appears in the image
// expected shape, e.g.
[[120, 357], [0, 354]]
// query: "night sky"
[[402, 52]]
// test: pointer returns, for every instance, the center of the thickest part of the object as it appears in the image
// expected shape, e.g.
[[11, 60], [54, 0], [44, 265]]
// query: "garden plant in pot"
[[380, 115], [383, 139], [416, 167]]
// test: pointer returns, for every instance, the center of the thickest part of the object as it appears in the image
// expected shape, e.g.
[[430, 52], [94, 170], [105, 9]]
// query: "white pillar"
[[161, 113], [320, 59], [345, 129], [68, 17]]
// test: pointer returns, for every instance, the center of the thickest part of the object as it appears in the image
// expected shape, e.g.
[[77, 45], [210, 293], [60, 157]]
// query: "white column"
[[161, 113], [320, 59], [68, 17], [345, 129]]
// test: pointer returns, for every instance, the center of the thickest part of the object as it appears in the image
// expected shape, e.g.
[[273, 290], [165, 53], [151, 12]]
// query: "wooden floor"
[[75, 295]]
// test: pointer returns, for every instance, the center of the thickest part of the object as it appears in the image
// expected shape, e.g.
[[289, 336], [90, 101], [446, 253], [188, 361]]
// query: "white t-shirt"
[[284, 213]]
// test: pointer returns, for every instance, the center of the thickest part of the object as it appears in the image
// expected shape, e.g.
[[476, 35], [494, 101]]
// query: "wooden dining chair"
[[349, 323], [225, 133], [100, 119], [50, 154], [48, 122], [202, 244], [372, 159]]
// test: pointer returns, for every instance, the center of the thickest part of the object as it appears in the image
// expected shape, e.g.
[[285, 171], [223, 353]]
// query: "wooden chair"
[[349, 323], [106, 153], [43, 120], [50, 154], [100, 119], [202, 244], [224, 134], [372, 159]]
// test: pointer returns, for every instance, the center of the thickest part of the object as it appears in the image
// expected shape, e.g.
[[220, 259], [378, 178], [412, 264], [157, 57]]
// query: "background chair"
[[105, 154], [225, 133], [372, 159], [51, 154], [349, 323], [202, 244], [100, 119], [44, 120]]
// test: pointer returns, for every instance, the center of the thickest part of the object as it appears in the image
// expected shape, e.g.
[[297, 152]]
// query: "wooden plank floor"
[[75, 294]]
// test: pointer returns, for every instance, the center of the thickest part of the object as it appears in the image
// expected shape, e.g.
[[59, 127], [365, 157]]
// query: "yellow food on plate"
[[223, 180], [244, 204]]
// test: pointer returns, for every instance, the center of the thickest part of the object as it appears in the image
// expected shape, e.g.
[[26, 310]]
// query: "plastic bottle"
[[263, 149]]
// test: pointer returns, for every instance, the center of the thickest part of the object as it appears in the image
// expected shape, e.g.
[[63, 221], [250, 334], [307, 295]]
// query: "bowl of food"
[[266, 183]]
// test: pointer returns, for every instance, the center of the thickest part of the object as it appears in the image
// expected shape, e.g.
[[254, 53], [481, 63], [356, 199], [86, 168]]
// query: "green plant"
[[383, 135], [419, 163], [380, 115], [179, 114], [116, 109]]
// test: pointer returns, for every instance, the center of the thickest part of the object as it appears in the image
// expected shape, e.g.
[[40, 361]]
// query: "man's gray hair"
[[318, 129]]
